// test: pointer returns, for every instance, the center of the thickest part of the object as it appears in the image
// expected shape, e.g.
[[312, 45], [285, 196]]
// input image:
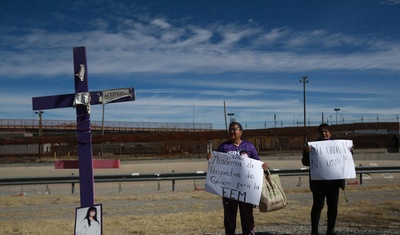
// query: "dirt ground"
[[153, 208], [371, 209]]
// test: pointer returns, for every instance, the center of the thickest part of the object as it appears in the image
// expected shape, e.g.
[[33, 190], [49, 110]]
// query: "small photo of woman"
[[88, 220]]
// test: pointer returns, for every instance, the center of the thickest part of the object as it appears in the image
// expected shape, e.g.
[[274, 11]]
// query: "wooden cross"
[[81, 100]]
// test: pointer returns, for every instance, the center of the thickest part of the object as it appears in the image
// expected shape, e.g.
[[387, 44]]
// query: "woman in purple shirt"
[[237, 146]]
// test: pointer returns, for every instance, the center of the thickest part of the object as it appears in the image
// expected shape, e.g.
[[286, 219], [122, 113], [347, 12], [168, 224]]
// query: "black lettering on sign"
[[333, 162], [315, 163], [316, 149], [219, 182], [333, 150], [234, 194]]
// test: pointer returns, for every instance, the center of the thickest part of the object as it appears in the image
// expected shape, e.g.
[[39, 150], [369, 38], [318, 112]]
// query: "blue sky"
[[186, 58]]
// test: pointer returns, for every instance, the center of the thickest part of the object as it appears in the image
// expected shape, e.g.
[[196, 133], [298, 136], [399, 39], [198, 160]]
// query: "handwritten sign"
[[236, 177], [331, 159]]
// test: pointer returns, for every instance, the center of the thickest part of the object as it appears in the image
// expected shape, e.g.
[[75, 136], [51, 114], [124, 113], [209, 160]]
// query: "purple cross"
[[81, 100]]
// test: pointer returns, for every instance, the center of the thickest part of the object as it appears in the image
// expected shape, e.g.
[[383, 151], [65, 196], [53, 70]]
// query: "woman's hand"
[[209, 155], [307, 148], [264, 166], [352, 149]]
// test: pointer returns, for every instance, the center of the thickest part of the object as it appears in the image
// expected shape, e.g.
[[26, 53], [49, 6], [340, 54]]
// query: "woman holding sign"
[[323, 188], [237, 146]]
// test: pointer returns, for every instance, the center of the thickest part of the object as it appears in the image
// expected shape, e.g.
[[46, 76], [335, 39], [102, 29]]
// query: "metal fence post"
[[173, 183]]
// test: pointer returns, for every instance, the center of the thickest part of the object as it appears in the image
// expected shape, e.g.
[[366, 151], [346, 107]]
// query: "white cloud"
[[390, 2], [191, 49], [225, 61], [161, 23]]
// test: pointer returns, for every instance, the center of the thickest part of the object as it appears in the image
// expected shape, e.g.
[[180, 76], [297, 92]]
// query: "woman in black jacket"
[[323, 188]]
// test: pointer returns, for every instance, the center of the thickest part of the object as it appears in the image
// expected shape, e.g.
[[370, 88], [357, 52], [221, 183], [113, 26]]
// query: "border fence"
[[156, 126], [16, 124]]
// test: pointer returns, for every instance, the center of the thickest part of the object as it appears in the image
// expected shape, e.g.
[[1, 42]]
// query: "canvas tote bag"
[[272, 195]]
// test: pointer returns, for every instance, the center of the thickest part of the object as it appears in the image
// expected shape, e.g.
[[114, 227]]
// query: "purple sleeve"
[[250, 147]]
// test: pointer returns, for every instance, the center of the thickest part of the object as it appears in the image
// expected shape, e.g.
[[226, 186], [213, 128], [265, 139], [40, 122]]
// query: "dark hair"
[[92, 208], [236, 123], [324, 126]]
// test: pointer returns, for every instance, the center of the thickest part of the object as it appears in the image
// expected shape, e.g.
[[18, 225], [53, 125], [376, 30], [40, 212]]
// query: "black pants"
[[246, 216], [331, 192]]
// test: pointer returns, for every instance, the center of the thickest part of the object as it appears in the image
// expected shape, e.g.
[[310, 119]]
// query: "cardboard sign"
[[331, 159], [236, 177]]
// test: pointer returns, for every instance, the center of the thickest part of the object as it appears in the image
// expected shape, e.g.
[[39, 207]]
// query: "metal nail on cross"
[[81, 100]]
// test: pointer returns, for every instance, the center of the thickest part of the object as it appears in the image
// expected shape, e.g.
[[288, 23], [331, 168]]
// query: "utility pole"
[[226, 124]]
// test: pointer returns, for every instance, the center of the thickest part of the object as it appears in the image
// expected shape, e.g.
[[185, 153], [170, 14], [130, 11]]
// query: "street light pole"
[[231, 119], [304, 81], [336, 109], [39, 113], [40, 131]]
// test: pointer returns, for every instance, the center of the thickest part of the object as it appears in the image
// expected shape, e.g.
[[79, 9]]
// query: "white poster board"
[[236, 177], [331, 159]]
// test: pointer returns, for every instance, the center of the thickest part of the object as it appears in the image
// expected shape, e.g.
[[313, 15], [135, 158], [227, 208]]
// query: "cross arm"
[[97, 97]]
